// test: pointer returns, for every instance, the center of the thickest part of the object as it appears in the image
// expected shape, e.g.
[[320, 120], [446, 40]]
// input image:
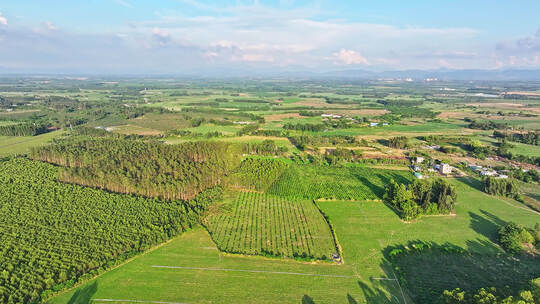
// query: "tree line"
[[24, 129]]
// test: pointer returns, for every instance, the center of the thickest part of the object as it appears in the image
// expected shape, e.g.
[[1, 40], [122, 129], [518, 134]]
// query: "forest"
[[147, 168]]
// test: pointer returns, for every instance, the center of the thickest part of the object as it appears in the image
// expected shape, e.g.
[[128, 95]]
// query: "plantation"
[[257, 173], [269, 225], [341, 183], [54, 234], [145, 168]]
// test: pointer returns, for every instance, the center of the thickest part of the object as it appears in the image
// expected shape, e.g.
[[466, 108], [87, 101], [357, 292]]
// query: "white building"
[[445, 169], [488, 173]]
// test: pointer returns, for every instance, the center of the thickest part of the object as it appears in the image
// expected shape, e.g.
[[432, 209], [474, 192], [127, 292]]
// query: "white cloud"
[[50, 26], [350, 57], [124, 3], [257, 58], [3, 20]]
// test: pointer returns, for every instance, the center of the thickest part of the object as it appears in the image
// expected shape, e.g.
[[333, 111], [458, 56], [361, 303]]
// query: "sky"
[[190, 36]]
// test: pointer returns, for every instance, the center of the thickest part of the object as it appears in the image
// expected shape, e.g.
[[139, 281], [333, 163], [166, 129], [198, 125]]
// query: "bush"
[[512, 236]]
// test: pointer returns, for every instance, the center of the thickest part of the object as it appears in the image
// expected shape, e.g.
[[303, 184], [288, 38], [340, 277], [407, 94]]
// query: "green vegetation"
[[341, 183], [364, 230], [145, 168], [23, 130], [269, 225], [257, 173], [57, 234], [500, 186], [305, 165], [512, 237], [421, 197], [399, 142], [528, 295], [12, 145], [418, 263]]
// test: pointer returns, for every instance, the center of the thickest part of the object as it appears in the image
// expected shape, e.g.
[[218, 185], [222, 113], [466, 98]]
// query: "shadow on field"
[[372, 295], [83, 295], [472, 182], [307, 300], [378, 190], [351, 300], [426, 269], [486, 224]]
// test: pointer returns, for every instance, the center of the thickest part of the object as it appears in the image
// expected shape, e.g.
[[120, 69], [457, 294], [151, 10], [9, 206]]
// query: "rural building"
[[419, 160], [445, 169], [373, 124], [488, 173], [416, 168], [475, 167], [418, 175], [502, 176]]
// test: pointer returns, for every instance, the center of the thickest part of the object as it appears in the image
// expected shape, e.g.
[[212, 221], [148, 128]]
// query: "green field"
[[326, 182], [363, 229], [12, 145], [255, 223], [525, 149]]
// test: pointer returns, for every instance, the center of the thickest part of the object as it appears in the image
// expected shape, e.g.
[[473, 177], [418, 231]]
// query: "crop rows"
[[342, 183], [270, 225]]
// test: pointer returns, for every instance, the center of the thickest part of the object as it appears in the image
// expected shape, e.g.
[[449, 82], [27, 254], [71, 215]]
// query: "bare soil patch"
[[277, 117]]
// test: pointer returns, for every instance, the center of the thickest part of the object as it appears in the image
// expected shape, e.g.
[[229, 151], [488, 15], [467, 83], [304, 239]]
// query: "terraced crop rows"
[[270, 225]]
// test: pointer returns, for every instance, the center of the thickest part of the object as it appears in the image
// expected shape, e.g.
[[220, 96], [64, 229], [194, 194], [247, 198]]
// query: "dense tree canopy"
[[58, 233], [146, 168], [421, 197]]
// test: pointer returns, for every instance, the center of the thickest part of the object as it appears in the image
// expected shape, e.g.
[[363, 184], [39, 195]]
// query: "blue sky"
[[176, 36]]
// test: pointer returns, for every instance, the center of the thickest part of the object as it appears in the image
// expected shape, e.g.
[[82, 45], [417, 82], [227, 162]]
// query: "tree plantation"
[[146, 168], [328, 182], [269, 225], [54, 234]]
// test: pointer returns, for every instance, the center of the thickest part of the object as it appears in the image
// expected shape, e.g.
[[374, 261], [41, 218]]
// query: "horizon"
[[189, 37]]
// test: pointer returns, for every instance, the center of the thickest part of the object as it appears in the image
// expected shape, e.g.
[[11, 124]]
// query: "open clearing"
[[363, 230], [278, 117], [11, 145]]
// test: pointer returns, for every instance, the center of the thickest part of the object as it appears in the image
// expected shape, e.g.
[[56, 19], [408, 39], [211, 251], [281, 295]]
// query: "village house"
[[445, 169]]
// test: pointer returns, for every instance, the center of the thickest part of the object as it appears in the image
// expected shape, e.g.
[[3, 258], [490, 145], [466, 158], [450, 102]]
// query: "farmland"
[[264, 224], [364, 230], [262, 191], [349, 183]]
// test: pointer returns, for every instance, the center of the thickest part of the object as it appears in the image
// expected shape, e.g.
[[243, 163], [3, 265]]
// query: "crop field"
[[363, 229], [269, 225], [347, 183], [256, 174]]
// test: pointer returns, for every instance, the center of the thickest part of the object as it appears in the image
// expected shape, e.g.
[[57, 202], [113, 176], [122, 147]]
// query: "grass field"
[[255, 223], [525, 149], [363, 229], [12, 145]]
